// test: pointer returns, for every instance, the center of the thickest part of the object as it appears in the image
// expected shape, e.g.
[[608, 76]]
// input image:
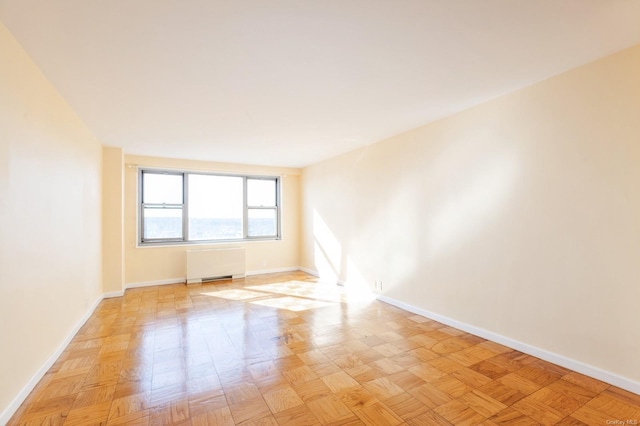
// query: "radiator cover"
[[215, 263]]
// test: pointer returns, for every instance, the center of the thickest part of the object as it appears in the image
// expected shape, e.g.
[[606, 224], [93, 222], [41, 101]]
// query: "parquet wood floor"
[[281, 349]]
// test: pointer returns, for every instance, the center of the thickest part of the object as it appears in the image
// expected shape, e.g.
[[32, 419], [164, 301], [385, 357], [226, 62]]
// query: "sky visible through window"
[[215, 207], [162, 189]]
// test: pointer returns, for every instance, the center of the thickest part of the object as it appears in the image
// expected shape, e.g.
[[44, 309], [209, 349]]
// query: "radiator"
[[215, 263]]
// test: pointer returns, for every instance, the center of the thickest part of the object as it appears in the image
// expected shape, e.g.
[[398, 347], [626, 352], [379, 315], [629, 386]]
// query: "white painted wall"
[[112, 220], [50, 222], [520, 216]]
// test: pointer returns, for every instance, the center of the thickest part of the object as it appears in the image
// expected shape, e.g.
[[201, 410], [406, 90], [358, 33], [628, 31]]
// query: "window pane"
[[262, 222], [162, 223], [215, 207], [162, 188], [261, 192]]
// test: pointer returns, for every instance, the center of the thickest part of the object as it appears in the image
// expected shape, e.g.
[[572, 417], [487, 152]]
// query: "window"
[[262, 207], [199, 207], [162, 207]]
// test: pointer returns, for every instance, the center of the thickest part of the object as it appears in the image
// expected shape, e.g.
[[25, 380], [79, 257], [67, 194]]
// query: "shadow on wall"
[[471, 208], [327, 250], [328, 262], [440, 216]]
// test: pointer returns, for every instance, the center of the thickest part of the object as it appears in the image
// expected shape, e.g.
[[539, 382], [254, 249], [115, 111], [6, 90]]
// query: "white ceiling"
[[292, 82]]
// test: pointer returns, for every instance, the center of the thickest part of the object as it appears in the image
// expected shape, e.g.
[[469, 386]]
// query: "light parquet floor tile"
[[283, 349]]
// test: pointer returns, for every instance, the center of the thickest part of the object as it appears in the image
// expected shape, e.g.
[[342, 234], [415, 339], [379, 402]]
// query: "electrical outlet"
[[379, 285]]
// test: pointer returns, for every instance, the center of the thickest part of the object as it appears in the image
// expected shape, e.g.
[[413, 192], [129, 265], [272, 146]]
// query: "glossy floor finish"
[[281, 349]]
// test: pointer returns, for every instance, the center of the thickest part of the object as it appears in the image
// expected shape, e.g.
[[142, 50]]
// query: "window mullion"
[[185, 207], [141, 204], [245, 209], [278, 211], [161, 206]]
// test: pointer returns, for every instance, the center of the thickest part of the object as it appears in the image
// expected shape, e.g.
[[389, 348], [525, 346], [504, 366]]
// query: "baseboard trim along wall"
[[181, 280], [157, 282], [272, 271], [588, 370], [31, 384], [111, 294], [309, 271]]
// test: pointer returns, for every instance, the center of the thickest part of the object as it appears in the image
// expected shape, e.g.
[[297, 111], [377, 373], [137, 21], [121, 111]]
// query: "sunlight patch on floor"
[[299, 295], [295, 304], [235, 294], [326, 292]]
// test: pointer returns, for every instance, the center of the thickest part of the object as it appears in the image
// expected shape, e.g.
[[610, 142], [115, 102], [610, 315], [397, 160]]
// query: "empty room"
[[359, 212]]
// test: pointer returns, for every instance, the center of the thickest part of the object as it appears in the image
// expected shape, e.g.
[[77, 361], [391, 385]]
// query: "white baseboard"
[[184, 279], [31, 384], [111, 294], [272, 271], [309, 271], [158, 282], [317, 275], [588, 370]]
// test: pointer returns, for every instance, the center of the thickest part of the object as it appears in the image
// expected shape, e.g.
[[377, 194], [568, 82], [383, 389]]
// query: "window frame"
[[248, 207], [142, 205], [142, 241]]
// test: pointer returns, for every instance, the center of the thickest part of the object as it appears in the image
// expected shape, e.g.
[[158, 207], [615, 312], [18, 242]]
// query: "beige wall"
[[520, 216], [165, 263], [50, 231], [112, 220]]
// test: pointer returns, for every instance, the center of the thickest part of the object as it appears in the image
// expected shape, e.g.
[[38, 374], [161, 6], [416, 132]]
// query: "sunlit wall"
[[520, 216]]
